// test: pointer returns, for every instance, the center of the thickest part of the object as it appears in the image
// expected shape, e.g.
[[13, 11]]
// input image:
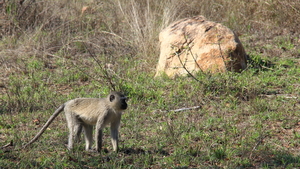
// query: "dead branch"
[[7, 145], [178, 110], [184, 67], [104, 71]]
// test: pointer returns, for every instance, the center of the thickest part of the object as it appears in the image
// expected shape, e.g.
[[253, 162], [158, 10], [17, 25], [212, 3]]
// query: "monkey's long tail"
[[54, 115]]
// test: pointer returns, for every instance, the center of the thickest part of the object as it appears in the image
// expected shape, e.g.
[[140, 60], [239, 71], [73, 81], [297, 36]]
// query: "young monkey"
[[89, 112]]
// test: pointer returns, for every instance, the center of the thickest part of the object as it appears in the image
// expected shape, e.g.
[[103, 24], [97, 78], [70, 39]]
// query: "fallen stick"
[[7, 145], [178, 110]]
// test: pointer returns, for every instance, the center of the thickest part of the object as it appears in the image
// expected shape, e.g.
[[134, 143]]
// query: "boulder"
[[195, 44]]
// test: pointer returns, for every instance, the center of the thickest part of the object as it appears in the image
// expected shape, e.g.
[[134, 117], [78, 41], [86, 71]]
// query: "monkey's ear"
[[111, 98]]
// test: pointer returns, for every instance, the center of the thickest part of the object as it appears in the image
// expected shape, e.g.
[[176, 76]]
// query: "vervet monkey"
[[89, 112]]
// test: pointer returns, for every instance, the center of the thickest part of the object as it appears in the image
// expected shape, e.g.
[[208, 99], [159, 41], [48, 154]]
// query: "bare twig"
[[190, 51], [260, 140], [178, 110], [184, 67], [195, 60], [104, 71], [7, 145], [188, 108], [185, 47]]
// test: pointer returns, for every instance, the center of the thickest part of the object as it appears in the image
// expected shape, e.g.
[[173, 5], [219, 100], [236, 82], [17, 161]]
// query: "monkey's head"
[[118, 100]]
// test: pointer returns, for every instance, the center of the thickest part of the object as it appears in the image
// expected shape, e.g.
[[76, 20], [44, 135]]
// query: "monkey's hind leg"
[[75, 129]]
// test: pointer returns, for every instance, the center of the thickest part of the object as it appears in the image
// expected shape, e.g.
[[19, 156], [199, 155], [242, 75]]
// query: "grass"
[[51, 52]]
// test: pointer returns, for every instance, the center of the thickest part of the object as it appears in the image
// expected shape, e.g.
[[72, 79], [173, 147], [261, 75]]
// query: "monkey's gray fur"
[[89, 112]]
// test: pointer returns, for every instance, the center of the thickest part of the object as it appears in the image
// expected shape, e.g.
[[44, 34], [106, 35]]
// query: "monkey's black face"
[[123, 103], [119, 100]]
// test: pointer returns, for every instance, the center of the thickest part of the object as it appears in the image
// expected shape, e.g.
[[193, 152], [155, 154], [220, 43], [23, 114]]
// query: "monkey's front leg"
[[114, 139], [114, 130]]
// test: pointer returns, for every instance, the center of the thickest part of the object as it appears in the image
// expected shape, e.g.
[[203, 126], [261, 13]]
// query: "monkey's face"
[[118, 100], [123, 102]]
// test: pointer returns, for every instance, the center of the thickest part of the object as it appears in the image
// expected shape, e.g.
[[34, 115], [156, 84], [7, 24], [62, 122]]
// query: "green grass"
[[246, 120]]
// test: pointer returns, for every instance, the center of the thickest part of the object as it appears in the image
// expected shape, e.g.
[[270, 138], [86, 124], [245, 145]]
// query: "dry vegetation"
[[52, 51]]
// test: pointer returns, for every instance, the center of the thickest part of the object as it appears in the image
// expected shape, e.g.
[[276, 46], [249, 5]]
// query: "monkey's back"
[[88, 109]]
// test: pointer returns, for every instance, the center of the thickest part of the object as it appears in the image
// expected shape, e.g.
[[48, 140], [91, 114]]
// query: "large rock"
[[195, 44]]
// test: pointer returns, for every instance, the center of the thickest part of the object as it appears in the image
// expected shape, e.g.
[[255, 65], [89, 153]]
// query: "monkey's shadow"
[[130, 151], [126, 151]]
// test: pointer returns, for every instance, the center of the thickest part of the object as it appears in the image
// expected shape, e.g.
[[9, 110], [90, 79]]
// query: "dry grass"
[[46, 27]]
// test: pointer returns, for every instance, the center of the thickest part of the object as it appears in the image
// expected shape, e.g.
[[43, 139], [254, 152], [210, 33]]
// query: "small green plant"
[[256, 61], [219, 153]]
